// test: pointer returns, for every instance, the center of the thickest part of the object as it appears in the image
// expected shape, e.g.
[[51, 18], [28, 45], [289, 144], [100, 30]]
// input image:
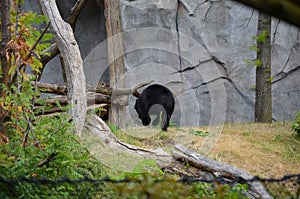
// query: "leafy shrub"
[[40, 147], [296, 124]]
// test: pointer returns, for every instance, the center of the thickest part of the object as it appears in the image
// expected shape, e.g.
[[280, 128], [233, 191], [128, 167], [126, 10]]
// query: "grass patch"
[[267, 150]]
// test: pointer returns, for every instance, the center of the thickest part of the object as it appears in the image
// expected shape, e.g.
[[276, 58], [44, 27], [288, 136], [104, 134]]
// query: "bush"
[[40, 147], [296, 124]]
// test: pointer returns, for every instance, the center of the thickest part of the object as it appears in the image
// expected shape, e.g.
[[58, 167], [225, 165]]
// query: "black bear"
[[158, 100]]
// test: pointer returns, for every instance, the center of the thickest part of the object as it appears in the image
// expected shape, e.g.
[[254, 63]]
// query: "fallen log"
[[61, 89], [108, 149], [40, 111], [92, 98], [219, 169]]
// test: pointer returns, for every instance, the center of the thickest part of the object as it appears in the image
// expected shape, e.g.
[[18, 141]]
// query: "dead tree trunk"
[[117, 114], [263, 98], [73, 63]]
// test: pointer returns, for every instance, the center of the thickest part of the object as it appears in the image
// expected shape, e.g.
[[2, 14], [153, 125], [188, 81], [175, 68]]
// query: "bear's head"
[[142, 113]]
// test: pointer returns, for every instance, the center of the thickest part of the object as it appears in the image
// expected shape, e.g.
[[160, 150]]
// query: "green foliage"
[[148, 186], [259, 39], [247, 133], [254, 48], [172, 123], [296, 124], [257, 63], [199, 133], [40, 147], [113, 127], [24, 49], [151, 185], [262, 37]]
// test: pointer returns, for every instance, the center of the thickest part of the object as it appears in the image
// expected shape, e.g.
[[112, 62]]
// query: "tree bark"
[[117, 114], [263, 98], [5, 21], [69, 50], [5, 65]]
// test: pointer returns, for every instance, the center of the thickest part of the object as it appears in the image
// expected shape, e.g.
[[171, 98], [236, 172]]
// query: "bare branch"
[[47, 160]]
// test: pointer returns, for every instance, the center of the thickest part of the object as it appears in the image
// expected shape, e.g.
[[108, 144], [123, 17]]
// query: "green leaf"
[[263, 36], [257, 63], [47, 37]]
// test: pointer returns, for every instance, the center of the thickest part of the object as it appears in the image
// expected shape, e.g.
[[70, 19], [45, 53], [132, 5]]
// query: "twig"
[[47, 160], [37, 41]]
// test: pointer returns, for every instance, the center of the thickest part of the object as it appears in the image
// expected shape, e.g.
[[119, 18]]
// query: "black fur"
[[155, 99]]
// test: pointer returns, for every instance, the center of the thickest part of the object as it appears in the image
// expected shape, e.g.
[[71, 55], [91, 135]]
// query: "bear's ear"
[[136, 94], [134, 91]]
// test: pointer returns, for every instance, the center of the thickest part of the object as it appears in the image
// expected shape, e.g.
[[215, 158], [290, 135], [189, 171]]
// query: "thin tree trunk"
[[5, 20], [69, 50], [263, 98], [117, 114]]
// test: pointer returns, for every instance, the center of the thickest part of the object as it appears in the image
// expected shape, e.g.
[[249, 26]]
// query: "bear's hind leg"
[[165, 122]]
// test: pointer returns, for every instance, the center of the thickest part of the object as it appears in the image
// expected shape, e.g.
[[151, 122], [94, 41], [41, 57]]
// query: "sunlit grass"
[[260, 149]]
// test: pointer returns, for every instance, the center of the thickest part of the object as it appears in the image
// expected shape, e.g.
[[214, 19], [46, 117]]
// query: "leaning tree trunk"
[[117, 114], [69, 50], [263, 98]]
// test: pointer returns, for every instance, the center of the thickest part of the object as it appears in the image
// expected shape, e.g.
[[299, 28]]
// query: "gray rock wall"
[[221, 31], [198, 49]]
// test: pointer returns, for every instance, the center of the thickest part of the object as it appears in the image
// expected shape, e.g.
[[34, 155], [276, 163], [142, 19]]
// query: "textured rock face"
[[196, 48], [219, 31]]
